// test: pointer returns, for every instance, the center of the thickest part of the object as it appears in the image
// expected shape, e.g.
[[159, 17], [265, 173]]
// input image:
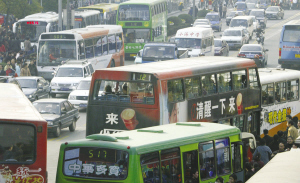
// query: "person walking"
[[2, 72], [224, 10], [264, 151], [267, 138], [27, 45], [32, 68], [25, 71], [292, 131], [220, 9]]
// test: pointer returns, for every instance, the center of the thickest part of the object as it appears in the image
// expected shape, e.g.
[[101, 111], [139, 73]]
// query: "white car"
[[255, 23], [245, 32], [235, 38], [79, 97], [67, 76], [205, 21]]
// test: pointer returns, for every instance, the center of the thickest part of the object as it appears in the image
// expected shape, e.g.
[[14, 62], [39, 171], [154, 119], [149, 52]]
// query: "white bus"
[[101, 45], [199, 41], [280, 97], [85, 18], [34, 25]]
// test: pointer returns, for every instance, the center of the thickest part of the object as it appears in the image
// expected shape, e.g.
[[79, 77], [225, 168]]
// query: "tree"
[[52, 5]]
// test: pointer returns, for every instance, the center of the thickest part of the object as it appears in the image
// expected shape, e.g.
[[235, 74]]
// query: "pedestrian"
[[264, 151], [2, 47], [2, 72], [180, 6], [249, 173], [295, 121], [298, 124], [256, 159], [267, 138], [281, 138], [224, 10], [220, 10], [274, 144], [292, 131], [18, 68], [281, 148], [232, 178], [290, 142], [32, 68], [27, 45], [7, 65], [219, 180], [25, 71]]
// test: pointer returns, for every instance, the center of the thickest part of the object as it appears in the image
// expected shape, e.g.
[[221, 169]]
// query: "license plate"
[[65, 89], [82, 105], [132, 55], [250, 56], [297, 55]]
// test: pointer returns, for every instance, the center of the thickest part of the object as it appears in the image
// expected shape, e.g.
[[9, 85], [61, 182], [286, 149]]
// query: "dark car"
[[10, 79], [34, 87], [255, 52], [232, 14], [59, 113], [221, 48], [274, 12], [260, 17]]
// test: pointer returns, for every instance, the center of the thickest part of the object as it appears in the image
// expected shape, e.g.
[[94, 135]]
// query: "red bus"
[[224, 90], [23, 138]]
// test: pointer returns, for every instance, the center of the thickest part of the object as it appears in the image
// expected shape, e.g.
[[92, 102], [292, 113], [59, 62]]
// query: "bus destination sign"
[[57, 36]]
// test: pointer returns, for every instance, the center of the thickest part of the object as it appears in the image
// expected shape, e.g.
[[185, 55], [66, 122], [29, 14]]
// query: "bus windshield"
[[136, 35], [103, 163], [69, 72], [291, 33], [134, 12], [17, 143], [84, 85], [119, 91], [51, 53], [188, 43], [158, 52], [33, 31]]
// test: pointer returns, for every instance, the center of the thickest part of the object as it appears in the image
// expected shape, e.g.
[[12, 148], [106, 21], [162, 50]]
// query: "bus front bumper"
[[289, 62]]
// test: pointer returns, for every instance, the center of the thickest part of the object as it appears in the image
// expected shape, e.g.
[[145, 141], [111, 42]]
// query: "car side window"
[[68, 107], [63, 108], [71, 105]]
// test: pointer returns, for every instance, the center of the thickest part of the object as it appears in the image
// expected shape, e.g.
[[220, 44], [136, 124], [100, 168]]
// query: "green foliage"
[[175, 20], [202, 13], [19, 8], [52, 5], [188, 18]]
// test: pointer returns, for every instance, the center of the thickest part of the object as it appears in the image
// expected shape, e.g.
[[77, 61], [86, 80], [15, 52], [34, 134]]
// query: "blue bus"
[[289, 45]]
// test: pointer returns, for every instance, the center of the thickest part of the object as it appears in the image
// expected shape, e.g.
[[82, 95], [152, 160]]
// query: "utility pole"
[[59, 15], [194, 10]]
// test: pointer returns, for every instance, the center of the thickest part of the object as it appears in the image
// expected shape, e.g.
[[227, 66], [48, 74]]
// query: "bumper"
[[52, 128], [289, 61], [61, 91], [79, 104], [130, 55], [216, 27], [271, 15], [235, 45]]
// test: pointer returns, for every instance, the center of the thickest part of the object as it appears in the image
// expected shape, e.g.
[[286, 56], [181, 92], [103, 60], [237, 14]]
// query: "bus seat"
[[102, 97], [111, 97], [124, 98]]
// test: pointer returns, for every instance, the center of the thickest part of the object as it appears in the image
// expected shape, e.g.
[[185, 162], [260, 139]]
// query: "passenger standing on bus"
[[292, 131], [264, 151], [27, 45]]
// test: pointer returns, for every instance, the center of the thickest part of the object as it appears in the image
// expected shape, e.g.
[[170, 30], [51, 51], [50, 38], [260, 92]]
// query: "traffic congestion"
[[158, 91]]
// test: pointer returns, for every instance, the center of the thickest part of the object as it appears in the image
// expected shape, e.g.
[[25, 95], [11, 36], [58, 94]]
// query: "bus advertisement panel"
[[135, 97], [142, 22], [23, 138], [280, 97]]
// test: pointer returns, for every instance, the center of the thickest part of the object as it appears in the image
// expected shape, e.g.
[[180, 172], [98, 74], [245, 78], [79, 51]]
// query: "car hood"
[[80, 93], [50, 117], [231, 38], [217, 48], [66, 79], [28, 91]]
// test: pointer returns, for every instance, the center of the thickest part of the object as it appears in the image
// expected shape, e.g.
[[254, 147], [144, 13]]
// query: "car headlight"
[[72, 97], [50, 123], [53, 84], [29, 96]]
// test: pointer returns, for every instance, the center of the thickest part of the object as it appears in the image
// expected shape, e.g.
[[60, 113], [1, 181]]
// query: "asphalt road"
[[271, 42]]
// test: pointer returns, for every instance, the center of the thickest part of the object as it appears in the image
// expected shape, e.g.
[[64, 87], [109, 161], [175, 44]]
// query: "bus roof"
[[174, 68], [148, 2], [293, 22], [194, 32], [91, 31], [282, 168], [85, 13], [271, 75], [162, 137], [102, 7], [15, 105], [47, 17]]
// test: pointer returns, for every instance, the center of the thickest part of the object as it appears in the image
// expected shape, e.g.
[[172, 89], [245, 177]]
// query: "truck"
[[159, 52]]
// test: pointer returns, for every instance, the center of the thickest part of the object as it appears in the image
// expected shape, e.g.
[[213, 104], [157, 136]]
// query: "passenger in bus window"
[[51, 56], [244, 81], [13, 153], [107, 89], [219, 180], [222, 85], [232, 178]]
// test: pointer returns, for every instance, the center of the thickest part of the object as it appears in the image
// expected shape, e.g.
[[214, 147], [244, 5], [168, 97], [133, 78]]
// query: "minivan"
[[243, 21]]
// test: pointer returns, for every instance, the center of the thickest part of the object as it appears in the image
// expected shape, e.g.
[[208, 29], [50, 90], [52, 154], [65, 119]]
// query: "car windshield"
[[158, 52], [28, 83], [238, 23], [84, 85], [51, 53], [136, 35], [257, 13], [188, 43], [47, 108], [69, 72], [134, 12], [241, 6], [218, 43], [250, 6], [212, 17], [272, 9], [232, 33], [251, 48], [231, 14]]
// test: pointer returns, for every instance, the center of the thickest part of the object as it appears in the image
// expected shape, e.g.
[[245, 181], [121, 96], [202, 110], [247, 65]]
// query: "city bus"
[[280, 97], [289, 45], [23, 138], [85, 18], [101, 45], [32, 26], [223, 90], [167, 153], [108, 12], [142, 21]]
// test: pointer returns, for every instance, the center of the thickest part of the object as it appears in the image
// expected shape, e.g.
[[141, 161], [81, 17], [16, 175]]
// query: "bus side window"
[[81, 49], [190, 165], [170, 165], [150, 167], [238, 122], [293, 89], [253, 79], [98, 46], [112, 43], [175, 90], [224, 84], [207, 160], [105, 45], [236, 157], [209, 84], [89, 49], [119, 42], [239, 79], [192, 87], [282, 91], [223, 156]]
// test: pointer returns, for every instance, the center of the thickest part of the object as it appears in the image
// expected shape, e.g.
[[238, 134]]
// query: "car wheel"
[[57, 131], [72, 127], [53, 95], [282, 16], [112, 64]]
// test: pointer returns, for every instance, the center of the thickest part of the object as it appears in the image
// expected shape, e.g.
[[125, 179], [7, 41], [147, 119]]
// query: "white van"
[[243, 21], [198, 40]]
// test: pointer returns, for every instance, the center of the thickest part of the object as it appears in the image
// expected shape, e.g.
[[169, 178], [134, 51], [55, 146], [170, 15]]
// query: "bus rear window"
[[94, 162], [134, 12], [17, 143], [124, 92], [291, 34]]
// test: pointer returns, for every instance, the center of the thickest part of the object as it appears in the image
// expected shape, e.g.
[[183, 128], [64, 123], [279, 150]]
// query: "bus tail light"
[[279, 52], [241, 55]]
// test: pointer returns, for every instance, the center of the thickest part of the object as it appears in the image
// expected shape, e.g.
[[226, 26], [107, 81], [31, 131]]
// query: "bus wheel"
[[112, 64], [72, 127], [57, 131]]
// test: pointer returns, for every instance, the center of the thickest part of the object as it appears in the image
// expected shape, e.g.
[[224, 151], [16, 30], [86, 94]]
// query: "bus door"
[[253, 122], [236, 154], [190, 163]]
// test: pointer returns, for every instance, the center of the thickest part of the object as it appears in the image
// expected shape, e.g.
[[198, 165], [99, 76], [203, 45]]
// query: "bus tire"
[[72, 127], [57, 131], [112, 64]]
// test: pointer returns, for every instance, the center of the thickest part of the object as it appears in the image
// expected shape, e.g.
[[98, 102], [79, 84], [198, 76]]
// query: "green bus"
[[160, 154], [142, 21]]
